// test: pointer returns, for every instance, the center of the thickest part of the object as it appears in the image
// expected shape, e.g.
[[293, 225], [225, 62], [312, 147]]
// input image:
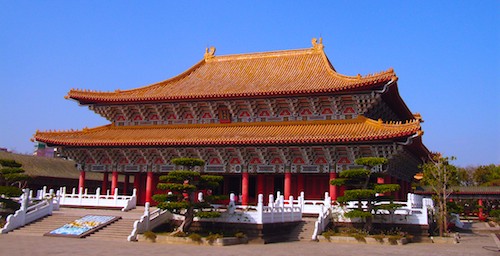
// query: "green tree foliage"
[[487, 175], [440, 175], [11, 174], [183, 184], [362, 186]]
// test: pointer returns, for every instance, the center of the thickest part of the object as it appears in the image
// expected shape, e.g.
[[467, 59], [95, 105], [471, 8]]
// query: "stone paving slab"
[[471, 244]]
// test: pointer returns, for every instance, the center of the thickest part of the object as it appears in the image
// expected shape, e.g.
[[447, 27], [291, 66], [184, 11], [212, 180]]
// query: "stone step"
[[305, 230], [118, 230]]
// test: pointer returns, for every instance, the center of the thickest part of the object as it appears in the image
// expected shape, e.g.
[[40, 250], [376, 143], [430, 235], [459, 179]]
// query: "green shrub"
[[359, 237], [328, 234], [212, 237], [179, 234], [195, 237], [10, 191], [394, 239], [9, 204], [207, 215], [495, 213], [151, 236], [9, 163], [240, 235], [379, 238]]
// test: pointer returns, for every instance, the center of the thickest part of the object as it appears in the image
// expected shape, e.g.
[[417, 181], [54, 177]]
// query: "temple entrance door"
[[233, 185], [279, 184], [252, 189]]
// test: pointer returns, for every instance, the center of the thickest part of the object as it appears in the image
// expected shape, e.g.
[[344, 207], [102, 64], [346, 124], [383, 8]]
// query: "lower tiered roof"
[[361, 129]]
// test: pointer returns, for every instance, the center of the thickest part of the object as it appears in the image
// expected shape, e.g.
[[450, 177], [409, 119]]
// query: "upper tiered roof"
[[291, 72], [361, 129]]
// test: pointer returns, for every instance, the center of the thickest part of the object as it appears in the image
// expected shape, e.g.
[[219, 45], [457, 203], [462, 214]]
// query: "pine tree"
[[362, 186], [183, 184]]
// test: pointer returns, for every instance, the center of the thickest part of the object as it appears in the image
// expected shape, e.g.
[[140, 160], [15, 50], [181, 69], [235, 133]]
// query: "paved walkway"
[[471, 244], [482, 243]]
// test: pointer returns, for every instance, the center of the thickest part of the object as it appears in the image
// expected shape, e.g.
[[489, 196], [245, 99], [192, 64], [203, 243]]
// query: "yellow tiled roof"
[[291, 72], [263, 133]]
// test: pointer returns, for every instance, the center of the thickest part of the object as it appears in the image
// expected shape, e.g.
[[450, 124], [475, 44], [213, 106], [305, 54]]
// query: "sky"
[[445, 53]]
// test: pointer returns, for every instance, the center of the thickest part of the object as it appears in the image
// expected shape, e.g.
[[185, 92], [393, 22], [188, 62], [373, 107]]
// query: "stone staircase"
[[44, 225], [118, 230], [304, 230]]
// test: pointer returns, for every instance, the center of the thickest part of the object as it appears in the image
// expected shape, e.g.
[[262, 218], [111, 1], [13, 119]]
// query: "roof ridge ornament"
[[209, 53], [316, 45]]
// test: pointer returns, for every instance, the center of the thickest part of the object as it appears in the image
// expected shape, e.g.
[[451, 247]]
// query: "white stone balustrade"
[[28, 213], [148, 221], [83, 198]]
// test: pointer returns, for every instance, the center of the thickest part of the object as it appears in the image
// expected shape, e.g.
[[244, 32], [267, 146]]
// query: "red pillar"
[[288, 185], [480, 214], [260, 184], [381, 180], [114, 181], [125, 184], [149, 187], [333, 189], [244, 188], [341, 190], [104, 183], [81, 180]]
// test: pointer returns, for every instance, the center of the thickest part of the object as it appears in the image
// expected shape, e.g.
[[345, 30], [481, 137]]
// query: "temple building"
[[272, 121]]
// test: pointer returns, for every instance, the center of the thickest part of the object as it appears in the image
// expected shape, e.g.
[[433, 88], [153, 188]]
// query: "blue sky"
[[445, 53]]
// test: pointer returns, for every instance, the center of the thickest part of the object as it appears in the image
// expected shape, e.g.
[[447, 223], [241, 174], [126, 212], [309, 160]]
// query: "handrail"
[[148, 221], [25, 214]]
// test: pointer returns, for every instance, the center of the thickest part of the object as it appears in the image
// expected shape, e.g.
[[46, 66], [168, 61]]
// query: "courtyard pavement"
[[471, 244]]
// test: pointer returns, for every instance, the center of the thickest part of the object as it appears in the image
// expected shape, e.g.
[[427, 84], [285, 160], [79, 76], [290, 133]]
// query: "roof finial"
[[209, 53], [316, 45]]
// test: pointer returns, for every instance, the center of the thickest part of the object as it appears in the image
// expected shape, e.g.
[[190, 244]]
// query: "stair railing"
[[27, 214], [148, 221], [324, 218]]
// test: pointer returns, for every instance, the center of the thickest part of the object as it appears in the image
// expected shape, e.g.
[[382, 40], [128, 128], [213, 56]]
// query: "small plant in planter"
[[359, 237], [149, 235], [211, 238], [179, 234], [379, 238], [328, 235], [393, 239], [240, 235], [195, 238]]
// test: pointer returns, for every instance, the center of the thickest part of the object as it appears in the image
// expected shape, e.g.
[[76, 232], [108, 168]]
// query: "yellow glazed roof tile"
[[288, 72], [264, 133]]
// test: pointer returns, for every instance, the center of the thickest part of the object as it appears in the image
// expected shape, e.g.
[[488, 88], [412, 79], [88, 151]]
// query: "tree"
[[487, 175], [362, 186], [440, 175], [183, 184], [12, 177]]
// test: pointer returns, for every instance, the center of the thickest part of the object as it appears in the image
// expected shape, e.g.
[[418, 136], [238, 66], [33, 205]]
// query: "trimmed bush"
[[10, 191]]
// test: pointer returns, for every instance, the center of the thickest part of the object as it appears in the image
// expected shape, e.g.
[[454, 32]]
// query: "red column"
[[381, 180], [149, 187], [288, 185], [81, 180], [260, 184], [114, 181], [104, 183], [333, 189], [125, 184], [244, 188], [480, 214]]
